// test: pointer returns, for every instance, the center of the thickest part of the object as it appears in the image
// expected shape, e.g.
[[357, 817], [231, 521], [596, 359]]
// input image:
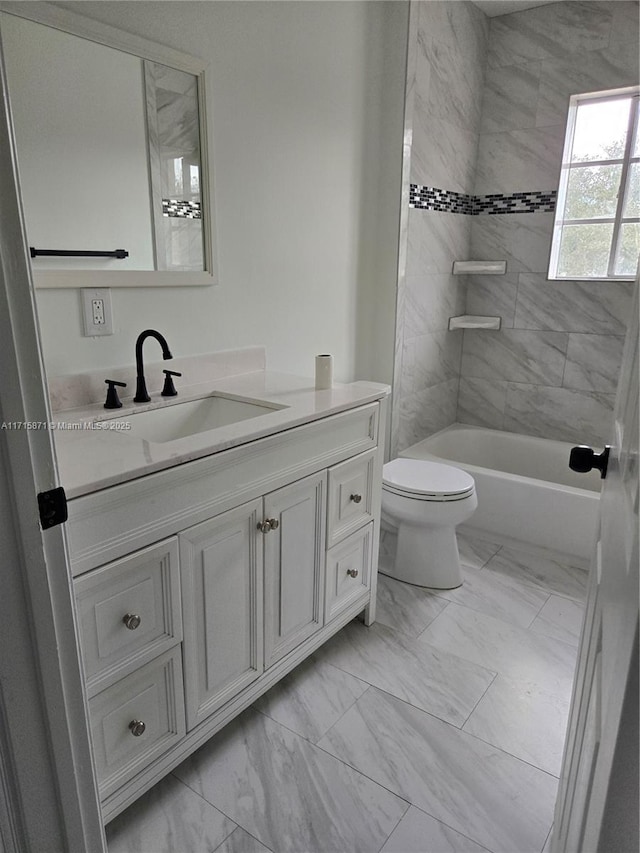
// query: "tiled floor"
[[438, 729]]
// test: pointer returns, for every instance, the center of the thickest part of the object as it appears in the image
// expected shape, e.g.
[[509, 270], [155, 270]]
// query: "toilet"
[[425, 501]]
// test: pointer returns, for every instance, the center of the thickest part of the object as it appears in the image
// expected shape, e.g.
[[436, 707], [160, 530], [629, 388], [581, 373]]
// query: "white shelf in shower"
[[479, 267], [474, 321]]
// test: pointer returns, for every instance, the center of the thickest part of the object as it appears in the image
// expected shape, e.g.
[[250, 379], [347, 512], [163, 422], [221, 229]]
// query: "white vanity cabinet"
[[294, 562], [222, 587], [200, 586]]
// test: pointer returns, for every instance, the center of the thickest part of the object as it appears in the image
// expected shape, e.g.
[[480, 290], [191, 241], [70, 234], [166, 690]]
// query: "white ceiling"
[[504, 7]]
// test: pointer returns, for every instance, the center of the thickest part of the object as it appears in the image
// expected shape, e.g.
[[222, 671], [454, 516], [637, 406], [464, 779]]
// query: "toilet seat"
[[418, 479]]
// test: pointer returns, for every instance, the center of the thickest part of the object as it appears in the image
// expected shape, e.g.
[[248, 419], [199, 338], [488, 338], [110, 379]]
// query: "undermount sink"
[[183, 419]]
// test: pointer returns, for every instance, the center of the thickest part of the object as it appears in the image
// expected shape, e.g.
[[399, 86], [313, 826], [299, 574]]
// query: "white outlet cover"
[[92, 329]]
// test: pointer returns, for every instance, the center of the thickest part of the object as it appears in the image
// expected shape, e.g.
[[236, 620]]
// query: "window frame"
[[625, 161]]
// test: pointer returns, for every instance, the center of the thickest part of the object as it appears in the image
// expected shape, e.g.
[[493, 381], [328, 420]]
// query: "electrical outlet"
[[96, 312]]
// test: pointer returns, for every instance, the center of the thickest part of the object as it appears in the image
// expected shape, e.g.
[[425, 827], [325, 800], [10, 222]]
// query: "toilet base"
[[427, 557]]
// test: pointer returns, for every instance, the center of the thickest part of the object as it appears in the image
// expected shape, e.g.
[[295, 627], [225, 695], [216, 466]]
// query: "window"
[[597, 227]]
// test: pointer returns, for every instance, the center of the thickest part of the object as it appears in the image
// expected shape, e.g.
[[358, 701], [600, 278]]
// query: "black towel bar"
[[74, 253]]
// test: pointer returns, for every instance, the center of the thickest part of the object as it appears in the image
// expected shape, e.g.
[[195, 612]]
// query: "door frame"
[[48, 787]]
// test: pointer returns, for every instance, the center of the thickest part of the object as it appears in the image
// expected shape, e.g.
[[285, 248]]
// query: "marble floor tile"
[[168, 818], [498, 595], [560, 618], [524, 720], [404, 607], [429, 678], [311, 698], [546, 571], [241, 842], [289, 794], [474, 788], [492, 643], [417, 832], [474, 550]]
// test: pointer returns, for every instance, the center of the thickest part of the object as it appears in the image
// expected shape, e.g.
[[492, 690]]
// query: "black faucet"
[[141, 386]]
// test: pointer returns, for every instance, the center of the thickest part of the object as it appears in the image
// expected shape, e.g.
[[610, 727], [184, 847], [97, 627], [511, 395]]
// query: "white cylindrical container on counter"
[[324, 372]]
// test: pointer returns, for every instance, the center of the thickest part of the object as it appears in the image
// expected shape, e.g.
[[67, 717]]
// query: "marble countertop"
[[93, 455]]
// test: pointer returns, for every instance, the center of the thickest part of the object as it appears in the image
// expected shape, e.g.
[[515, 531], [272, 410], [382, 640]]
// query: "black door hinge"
[[53, 507]]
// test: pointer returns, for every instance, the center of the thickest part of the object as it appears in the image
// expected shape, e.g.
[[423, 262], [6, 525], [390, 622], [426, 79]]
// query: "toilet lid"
[[426, 479]]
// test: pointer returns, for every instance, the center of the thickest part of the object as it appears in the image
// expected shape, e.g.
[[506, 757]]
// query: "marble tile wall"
[[552, 369], [445, 75]]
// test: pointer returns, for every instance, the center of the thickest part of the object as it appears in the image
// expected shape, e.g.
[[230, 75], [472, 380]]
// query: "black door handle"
[[583, 459]]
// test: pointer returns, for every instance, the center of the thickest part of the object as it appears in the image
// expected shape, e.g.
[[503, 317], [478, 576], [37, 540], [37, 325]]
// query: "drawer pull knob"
[[353, 573], [132, 621], [268, 524], [356, 498], [137, 727]]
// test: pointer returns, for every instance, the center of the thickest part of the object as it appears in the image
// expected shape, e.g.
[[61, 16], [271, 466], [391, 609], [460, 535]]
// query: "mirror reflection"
[[108, 151]]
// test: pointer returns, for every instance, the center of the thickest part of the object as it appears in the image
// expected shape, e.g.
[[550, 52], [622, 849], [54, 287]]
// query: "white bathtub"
[[526, 490]]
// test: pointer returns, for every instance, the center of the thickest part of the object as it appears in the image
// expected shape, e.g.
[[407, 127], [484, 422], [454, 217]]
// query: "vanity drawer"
[[136, 720], [129, 612], [348, 572], [350, 496]]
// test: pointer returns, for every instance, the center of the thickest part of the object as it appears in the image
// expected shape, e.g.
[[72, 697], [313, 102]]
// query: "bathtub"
[[526, 490]]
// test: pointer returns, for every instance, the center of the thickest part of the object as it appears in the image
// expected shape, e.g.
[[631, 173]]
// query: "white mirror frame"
[[78, 25]]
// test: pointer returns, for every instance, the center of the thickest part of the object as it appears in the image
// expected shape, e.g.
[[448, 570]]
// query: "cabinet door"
[[294, 565], [221, 568]]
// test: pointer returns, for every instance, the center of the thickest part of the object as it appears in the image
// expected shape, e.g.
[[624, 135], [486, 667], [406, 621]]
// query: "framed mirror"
[[111, 135]]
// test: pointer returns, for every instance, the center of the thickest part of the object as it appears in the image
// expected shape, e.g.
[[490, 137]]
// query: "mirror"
[[111, 148]]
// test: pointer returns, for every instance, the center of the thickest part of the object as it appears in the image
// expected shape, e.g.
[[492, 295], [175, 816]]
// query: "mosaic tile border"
[[181, 209], [446, 201]]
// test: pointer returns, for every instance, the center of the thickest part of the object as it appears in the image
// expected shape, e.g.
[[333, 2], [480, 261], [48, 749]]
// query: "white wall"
[[307, 167]]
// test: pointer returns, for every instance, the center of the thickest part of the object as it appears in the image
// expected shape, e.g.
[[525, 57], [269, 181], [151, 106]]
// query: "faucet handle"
[[113, 401], [169, 389]]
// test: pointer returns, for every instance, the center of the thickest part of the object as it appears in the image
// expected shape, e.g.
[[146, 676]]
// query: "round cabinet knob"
[[264, 526], [356, 498], [353, 573], [137, 727], [132, 621], [275, 524]]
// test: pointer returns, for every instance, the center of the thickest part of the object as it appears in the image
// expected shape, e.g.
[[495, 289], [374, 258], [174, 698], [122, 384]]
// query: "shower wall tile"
[[572, 306], [625, 24], [445, 79], [593, 362], [435, 240], [510, 97], [522, 240], [561, 413], [610, 68], [431, 161], [493, 295], [481, 402], [559, 387], [545, 33], [426, 412], [431, 300], [431, 359], [518, 160], [455, 35], [515, 355]]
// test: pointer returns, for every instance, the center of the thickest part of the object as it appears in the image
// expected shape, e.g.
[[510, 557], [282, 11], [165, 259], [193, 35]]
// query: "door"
[[48, 789], [294, 559], [221, 570], [597, 807]]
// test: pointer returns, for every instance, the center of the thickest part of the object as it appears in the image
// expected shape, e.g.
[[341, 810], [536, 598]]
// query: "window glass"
[[592, 192], [628, 249], [632, 200], [597, 220], [601, 130], [584, 250]]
